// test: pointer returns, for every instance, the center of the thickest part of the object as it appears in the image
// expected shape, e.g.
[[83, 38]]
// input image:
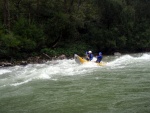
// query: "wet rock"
[[23, 63], [5, 64], [34, 59], [54, 58], [117, 54], [46, 56], [61, 57]]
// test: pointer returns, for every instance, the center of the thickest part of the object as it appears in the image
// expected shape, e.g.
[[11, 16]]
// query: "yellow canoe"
[[81, 60]]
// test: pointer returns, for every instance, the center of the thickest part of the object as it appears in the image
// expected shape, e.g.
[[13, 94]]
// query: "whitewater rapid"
[[53, 70]]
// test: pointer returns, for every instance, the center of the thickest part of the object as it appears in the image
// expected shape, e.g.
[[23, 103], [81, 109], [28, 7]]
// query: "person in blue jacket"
[[89, 55], [99, 57]]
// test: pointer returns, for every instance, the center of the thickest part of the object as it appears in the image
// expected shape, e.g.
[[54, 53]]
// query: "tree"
[[6, 14]]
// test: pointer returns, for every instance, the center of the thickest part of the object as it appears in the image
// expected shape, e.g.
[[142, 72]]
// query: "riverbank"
[[31, 60]]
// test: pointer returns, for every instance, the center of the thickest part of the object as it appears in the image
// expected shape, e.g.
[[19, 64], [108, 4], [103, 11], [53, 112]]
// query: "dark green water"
[[122, 86]]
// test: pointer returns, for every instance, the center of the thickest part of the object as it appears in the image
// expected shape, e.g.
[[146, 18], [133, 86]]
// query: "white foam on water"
[[144, 57], [121, 60], [126, 60], [20, 75], [52, 70], [3, 71], [20, 83]]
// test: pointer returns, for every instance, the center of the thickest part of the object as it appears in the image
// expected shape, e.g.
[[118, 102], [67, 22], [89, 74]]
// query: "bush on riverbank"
[[30, 28]]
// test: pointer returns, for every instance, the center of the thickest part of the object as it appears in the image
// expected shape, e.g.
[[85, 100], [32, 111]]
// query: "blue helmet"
[[100, 53]]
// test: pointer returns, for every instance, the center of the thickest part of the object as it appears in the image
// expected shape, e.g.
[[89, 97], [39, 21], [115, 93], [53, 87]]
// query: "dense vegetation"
[[32, 27]]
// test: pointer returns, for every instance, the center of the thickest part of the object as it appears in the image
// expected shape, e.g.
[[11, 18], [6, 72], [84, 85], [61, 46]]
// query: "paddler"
[[99, 57], [89, 55]]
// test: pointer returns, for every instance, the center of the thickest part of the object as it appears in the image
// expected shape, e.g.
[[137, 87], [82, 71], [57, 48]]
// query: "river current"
[[63, 86]]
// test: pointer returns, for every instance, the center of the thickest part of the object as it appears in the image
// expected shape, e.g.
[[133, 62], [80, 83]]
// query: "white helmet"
[[90, 52]]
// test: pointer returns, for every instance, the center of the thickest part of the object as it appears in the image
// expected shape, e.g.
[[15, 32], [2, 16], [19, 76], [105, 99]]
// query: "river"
[[63, 86]]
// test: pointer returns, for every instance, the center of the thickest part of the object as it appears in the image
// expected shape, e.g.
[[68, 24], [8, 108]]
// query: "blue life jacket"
[[90, 56], [99, 58]]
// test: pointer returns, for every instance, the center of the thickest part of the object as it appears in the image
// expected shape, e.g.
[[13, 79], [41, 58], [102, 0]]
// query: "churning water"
[[63, 86]]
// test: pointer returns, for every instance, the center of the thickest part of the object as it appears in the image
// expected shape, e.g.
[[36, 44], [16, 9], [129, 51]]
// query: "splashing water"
[[65, 86], [18, 75]]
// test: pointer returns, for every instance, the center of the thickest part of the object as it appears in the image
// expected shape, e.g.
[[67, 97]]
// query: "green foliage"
[[49, 51], [78, 48], [9, 40], [68, 26], [9, 45], [31, 36], [69, 50], [27, 44], [56, 27]]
